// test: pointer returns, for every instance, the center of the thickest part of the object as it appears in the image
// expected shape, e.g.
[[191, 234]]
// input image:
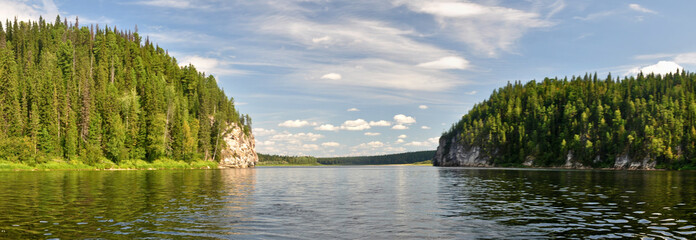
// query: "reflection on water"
[[131, 204], [574, 204], [358, 202]]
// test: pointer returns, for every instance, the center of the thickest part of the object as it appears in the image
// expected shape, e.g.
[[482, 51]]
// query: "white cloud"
[[265, 143], [399, 140], [321, 39], [430, 142], [210, 66], [168, 3], [378, 72], [639, 8], [181, 4], [366, 53], [373, 144], [355, 125], [353, 110], [332, 76], [298, 137], [28, 10], [380, 123], [447, 63], [679, 58], [487, 29], [372, 134], [286, 143], [402, 136], [662, 67], [423, 107], [403, 119], [310, 147], [425, 127], [260, 132], [471, 92], [327, 127], [330, 144], [686, 58], [294, 123], [399, 127]]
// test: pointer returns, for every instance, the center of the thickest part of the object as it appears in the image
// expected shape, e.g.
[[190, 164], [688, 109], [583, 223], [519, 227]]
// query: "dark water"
[[390, 202]]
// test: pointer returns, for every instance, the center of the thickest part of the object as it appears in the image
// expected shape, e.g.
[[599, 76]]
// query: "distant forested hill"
[[91, 94], [646, 120], [400, 158]]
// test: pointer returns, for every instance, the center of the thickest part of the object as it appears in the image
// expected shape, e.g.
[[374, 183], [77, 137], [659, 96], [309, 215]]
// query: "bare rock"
[[240, 151]]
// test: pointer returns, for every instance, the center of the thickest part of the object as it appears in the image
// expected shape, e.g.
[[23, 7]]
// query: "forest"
[[591, 119], [399, 158], [96, 94]]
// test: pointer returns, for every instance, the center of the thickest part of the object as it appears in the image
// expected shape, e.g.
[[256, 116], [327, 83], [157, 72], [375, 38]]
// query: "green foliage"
[[286, 160], [594, 121], [400, 158], [422, 157], [99, 96]]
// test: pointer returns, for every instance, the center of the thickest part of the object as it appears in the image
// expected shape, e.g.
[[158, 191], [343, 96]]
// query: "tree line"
[[90, 94], [400, 158], [586, 118]]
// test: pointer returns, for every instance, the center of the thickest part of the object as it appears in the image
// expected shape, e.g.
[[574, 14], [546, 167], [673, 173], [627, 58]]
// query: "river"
[[348, 202]]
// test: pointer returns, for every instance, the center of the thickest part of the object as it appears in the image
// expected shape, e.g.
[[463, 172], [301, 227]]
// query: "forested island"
[[97, 96], [639, 122], [420, 157]]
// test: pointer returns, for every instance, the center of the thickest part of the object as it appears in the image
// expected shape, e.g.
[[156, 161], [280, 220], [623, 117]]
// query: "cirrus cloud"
[[452, 62], [331, 76]]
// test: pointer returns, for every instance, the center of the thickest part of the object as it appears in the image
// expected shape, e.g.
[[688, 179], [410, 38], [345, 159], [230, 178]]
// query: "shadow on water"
[[124, 204], [573, 204]]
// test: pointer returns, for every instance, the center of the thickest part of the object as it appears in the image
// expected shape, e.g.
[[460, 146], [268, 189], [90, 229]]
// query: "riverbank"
[[281, 164], [124, 165]]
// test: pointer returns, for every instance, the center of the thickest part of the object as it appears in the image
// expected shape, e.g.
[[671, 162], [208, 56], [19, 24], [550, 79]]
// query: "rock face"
[[451, 153], [625, 162], [240, 151]]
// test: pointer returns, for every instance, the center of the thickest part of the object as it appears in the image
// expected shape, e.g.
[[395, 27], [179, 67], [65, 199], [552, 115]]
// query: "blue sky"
[[338, 78]]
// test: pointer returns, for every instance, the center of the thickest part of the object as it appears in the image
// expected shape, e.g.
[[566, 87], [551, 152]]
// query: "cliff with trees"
[[639, 122], [89, 94]]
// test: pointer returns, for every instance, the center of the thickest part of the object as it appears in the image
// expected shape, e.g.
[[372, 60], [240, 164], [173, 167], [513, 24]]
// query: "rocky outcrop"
[[625, 162], [240, 151], [451, 153]]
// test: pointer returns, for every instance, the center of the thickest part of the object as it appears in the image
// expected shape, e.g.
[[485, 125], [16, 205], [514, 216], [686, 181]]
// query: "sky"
[[365, 77]]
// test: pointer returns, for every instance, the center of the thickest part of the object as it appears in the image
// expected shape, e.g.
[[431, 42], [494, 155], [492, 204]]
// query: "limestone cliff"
[[451, 153], [240, 151]]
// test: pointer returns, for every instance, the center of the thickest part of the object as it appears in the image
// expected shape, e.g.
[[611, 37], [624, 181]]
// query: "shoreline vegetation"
[[408, 158], [160, 164], [88, 97], [645, 121]]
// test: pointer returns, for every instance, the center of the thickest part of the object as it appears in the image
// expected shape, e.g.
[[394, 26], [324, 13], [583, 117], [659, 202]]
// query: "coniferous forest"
[[594, 120], [91, 94], [398, 158]]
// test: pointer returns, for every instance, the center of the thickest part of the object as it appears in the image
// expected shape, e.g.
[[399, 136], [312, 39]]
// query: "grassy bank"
[[423, 163], [286, 164], [106, 165]]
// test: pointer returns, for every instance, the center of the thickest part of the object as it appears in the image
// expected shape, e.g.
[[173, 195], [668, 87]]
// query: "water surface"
[[364, 202]]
